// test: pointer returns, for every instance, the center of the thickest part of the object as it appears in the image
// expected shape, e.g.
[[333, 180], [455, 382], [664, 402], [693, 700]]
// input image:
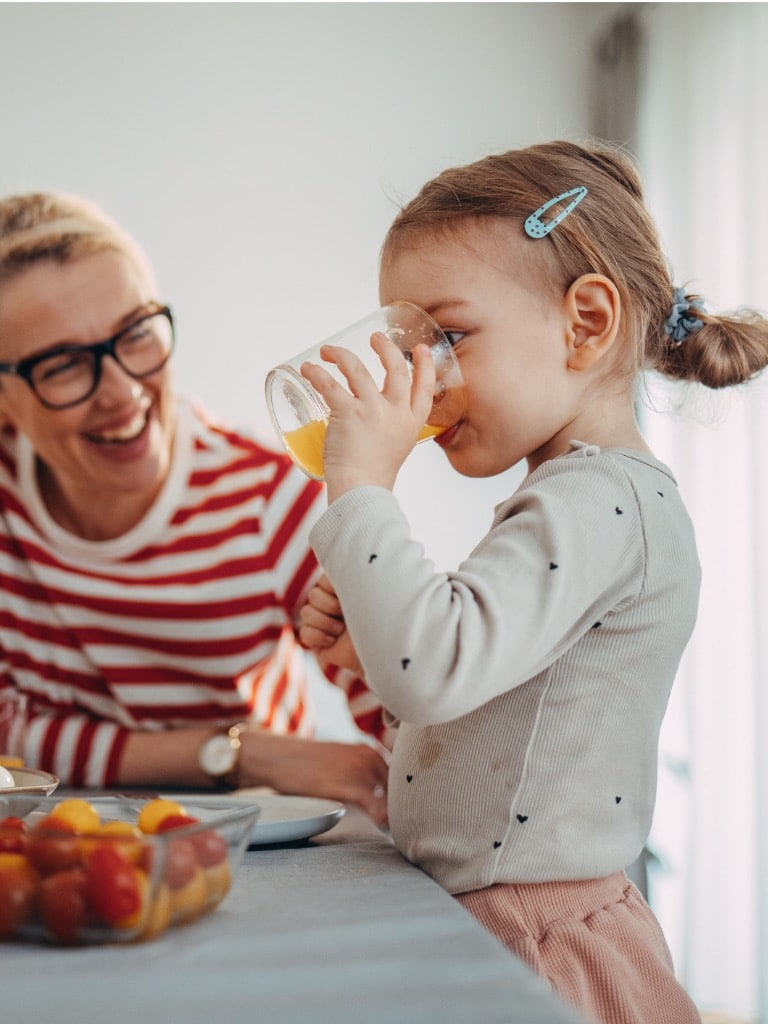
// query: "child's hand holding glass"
[[370, 431], [377, 416]]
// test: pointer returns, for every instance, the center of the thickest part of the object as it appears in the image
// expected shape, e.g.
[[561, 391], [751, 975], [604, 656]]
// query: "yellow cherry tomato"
[[128, 837], [81, 815], [120, 828], [191, 899], [154, 811], [158, 914], [19, 886], [16, 862]]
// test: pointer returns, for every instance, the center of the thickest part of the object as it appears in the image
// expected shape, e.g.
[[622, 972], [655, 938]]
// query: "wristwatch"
[[219, 757]]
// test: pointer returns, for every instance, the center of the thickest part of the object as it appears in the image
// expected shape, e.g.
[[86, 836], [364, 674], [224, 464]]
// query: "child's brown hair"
[[610, 232]]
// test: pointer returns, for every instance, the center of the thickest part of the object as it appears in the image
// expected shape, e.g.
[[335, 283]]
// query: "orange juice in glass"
[[299, 414]]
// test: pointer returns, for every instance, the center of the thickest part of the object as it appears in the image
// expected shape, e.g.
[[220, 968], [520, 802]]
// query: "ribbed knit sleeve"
[[437, 645]]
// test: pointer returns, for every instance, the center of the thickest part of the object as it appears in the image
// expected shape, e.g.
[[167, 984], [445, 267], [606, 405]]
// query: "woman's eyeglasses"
[[66, 376]]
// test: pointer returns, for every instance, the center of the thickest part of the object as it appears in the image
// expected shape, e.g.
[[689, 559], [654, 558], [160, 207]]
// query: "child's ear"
[[593, 310]]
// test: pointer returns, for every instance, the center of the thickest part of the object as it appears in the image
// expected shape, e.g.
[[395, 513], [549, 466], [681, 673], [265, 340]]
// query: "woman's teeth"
[[129, 432]]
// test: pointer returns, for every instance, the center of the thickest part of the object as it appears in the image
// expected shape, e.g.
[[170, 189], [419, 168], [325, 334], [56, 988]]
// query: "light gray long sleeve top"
[[531, 683]]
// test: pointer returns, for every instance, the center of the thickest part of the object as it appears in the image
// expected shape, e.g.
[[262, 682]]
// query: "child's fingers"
[[359, 380], [400, 379], [322, 381], [423, 384], [323, 597], [315, 639], [325, 584], [314, 618], [397, 382], [416, 380], [342, 654]]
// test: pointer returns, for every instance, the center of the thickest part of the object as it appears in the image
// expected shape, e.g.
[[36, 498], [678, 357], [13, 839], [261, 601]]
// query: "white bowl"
[[31, 786]]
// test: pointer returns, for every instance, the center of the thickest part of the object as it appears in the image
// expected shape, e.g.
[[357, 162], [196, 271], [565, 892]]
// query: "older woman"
[[152, 561]]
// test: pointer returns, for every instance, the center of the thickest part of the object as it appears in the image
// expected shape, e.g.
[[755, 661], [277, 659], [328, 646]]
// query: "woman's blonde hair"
[[610, 232], [60, 227]]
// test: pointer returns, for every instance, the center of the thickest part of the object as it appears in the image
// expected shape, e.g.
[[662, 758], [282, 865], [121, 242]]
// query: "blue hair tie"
[[682, 321], [535, 227]]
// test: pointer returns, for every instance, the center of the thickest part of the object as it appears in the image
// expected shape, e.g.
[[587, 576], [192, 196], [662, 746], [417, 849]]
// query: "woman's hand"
[[323, 630], [349, 772], [354, 772], [371, 432]]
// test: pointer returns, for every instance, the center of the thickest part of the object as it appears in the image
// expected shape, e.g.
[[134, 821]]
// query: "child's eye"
[[454, 337]]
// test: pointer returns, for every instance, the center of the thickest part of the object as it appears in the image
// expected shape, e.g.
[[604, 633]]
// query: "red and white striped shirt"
[[186, 620]]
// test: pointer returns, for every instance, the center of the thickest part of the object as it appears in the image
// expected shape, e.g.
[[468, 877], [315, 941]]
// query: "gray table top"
[[339, 928]]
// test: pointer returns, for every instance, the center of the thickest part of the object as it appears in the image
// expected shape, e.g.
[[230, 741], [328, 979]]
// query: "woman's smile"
[[126, 431]]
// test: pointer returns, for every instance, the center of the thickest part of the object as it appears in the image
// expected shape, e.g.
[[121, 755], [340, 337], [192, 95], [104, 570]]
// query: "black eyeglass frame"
[[25, 367]]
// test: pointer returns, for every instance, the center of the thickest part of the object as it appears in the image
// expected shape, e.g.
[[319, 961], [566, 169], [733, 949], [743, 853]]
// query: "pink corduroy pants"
[[597, 942]]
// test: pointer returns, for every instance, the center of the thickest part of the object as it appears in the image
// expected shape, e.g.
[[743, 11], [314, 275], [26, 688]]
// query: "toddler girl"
[[529, 684]]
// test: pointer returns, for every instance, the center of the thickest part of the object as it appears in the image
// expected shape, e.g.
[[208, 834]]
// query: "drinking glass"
[[300, 415]]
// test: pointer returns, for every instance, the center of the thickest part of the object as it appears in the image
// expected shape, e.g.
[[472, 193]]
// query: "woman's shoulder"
[[215, 441], [220, 449], [214, 432]]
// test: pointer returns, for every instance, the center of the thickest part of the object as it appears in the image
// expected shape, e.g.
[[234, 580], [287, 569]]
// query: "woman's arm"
[[89, 753], [355, 773]]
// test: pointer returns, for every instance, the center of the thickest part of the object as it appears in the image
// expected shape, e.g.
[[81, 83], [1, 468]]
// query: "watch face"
[[218, 755]]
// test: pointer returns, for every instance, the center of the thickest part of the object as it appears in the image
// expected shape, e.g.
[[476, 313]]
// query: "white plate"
[[284, 819], [287, 819]]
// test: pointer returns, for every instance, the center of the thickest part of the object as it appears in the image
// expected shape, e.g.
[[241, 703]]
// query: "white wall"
[[258, 152]]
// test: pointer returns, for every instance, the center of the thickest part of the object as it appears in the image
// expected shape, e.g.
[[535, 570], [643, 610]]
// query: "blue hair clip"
[[535, 226]]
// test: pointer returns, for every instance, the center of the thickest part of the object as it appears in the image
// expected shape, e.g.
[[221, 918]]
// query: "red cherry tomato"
[[18, 892], [13, 835], [63, 906], [53, 846], [176, 821], [210, 847], [113, 888], [180, 863]]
